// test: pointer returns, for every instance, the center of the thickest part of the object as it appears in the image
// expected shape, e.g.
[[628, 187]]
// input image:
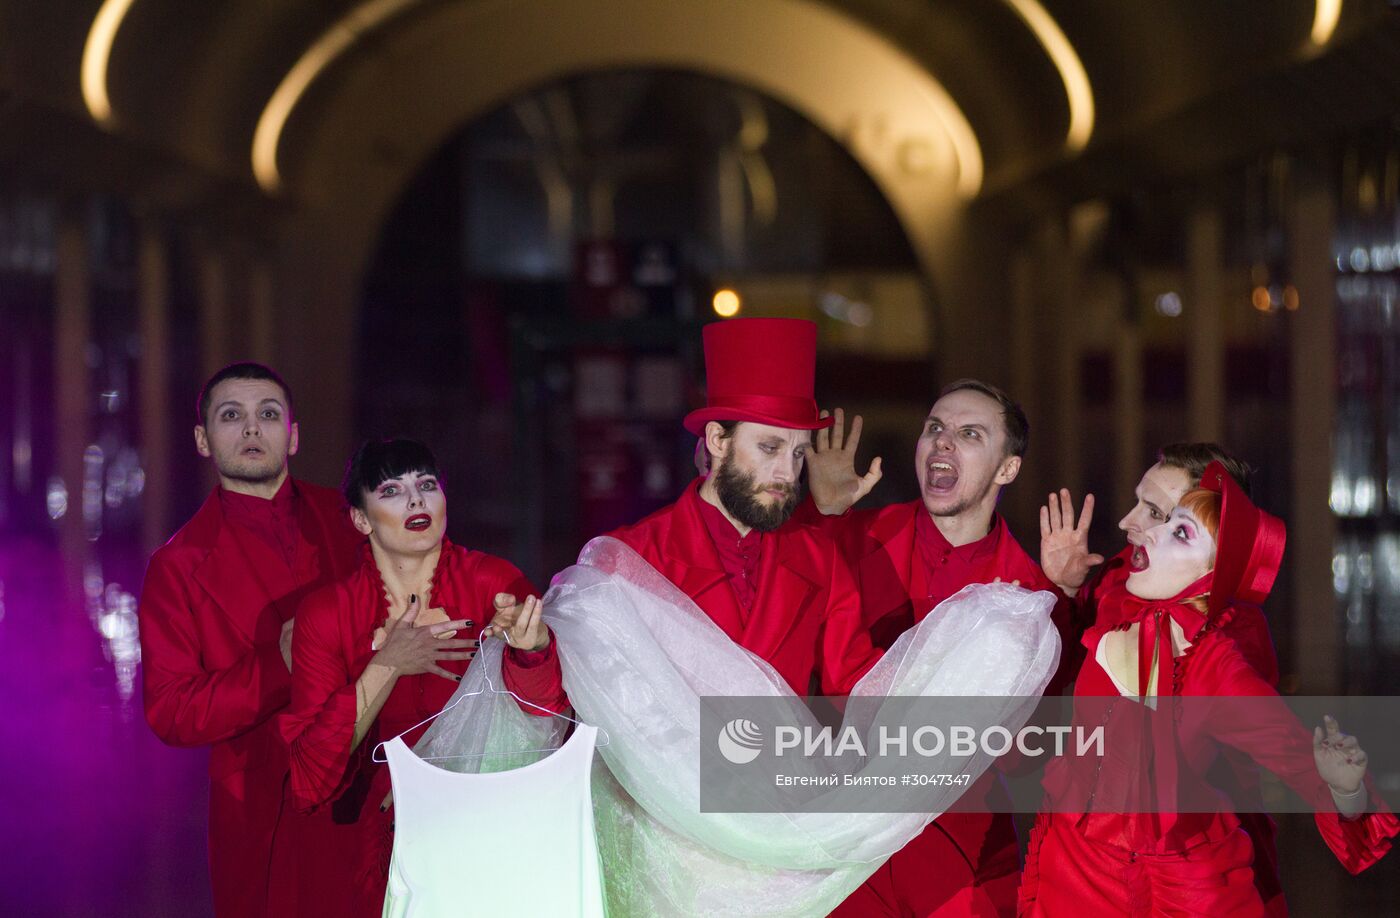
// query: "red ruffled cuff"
[[1360, 842], [321, 754]]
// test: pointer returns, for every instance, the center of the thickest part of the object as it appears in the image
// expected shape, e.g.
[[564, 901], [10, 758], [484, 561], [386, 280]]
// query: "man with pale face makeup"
[[908, 558], [1067, 561], [778, 589], [216, 622], [1065, 556]]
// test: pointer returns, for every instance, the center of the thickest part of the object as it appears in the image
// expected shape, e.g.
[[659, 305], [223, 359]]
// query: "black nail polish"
[[383, 808], [412, 597]]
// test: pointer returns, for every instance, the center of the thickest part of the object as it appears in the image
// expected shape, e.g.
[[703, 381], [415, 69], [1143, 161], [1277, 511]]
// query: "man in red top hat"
[[216, 623], [780, 591], [908, 558]]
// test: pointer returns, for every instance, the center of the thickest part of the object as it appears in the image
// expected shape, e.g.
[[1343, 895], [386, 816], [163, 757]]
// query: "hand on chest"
[[425, 618]]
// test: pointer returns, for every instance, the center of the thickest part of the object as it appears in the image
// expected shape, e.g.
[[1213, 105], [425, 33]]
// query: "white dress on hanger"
[[535, 823]]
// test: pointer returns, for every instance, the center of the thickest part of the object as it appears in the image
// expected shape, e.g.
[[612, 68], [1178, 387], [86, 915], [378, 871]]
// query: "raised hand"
[[519, 624], [1064, 545], [831, 467], [1340, 759], [410, 648]]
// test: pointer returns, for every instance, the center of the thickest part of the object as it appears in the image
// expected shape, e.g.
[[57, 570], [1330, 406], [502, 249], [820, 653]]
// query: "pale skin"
[[772, 455], [405, 519], [964, 431], [1180, 551], [249, 434]]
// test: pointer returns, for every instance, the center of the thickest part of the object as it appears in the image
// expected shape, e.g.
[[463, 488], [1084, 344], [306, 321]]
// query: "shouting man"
[[908, 558]]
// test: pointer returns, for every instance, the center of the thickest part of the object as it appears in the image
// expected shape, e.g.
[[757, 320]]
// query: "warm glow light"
[[1072, 73], [1325, 19], [1290, 298], [97, 52], [1260, 298], [726, 303], [317, 58]]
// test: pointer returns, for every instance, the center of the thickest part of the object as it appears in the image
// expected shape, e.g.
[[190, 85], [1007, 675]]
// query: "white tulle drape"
[[638, 658]]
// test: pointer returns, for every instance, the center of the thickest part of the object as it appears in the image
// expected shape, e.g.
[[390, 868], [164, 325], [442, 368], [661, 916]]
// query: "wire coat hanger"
[[491, 689]]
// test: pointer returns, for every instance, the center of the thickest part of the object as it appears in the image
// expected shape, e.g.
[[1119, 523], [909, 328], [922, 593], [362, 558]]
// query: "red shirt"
[[738, 554], [274, 520]]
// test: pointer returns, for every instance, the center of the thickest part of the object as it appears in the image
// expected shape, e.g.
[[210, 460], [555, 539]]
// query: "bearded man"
[[908, 558], [778, 589], [216, 619]]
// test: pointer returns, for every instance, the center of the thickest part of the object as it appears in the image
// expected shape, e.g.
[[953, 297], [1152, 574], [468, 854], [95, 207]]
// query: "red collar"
[[251, 510], [931, 540], [273, 520], [1153, 617], [739, 555]]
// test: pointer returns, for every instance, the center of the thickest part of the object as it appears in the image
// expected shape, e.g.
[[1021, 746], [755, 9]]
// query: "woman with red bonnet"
[[381, 651], [1135, 828]]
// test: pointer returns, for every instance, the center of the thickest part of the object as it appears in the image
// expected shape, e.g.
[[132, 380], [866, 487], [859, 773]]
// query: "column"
[[1312, 419], [214, 346], [262, 304], [72, 376], [1205, 329], [153, 396], [1128, 461]]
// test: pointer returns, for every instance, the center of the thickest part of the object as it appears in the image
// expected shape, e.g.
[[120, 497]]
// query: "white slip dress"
[[500, 844]]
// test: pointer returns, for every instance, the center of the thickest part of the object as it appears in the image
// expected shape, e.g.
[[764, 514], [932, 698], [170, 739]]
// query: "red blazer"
[[968, 860], [805, 620], [341, 788], [211, 613]]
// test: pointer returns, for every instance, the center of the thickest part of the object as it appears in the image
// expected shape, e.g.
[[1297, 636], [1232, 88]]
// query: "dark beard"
[[737, 493]]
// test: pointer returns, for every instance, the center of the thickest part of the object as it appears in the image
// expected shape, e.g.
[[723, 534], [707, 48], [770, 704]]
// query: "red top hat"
[[1248, 544], [760, 370]]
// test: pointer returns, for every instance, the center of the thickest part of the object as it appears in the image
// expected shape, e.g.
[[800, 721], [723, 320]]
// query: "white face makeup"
[[757, 471], [404, 515], [1171, 556]]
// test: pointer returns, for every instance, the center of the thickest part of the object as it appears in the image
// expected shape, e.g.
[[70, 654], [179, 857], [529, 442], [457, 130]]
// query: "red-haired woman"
[[1137, 830]]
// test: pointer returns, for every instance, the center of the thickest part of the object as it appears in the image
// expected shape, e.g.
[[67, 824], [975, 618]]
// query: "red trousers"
[[932, 876], [1067, 874]]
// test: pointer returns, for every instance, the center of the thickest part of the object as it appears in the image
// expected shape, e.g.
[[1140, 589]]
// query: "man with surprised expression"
[[908, 558], [216, 625], [777, 589]]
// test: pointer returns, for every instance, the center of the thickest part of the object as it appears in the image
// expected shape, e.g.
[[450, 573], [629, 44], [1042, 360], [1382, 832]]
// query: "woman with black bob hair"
[[384, 649]]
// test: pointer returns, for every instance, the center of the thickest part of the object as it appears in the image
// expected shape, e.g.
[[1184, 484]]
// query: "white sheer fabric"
[[638, 658]]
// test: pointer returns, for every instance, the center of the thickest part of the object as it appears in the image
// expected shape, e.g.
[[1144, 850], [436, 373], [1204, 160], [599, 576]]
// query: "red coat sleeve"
[[846, 651], [1272, 735], [319, 724], [535, 677], [187, 702]]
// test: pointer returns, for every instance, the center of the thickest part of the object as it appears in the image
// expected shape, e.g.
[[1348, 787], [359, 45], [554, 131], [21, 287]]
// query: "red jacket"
[[1249, 629], [964, 862], [341, 788], [211, 614], [805, 620], [1103, 863]]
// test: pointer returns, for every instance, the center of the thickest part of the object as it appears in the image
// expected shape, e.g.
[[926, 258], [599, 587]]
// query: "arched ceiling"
[[192, 79]]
